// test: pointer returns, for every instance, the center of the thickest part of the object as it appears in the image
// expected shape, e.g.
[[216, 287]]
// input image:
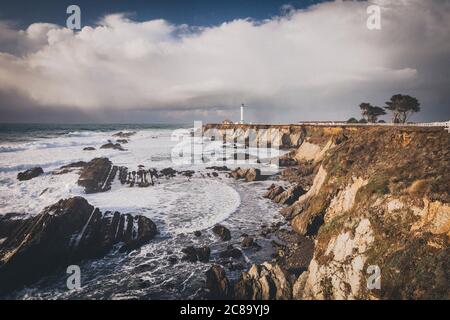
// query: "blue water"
[[22, 132]]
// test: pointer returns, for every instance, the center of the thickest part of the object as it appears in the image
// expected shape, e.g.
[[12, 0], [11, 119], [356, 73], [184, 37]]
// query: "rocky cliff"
[[372, 199]]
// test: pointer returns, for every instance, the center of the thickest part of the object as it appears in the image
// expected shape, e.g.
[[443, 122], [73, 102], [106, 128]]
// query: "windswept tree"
[[371, 113], [402, 107]]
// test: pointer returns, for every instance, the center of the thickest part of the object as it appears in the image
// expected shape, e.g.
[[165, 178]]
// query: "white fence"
[[334, 123]]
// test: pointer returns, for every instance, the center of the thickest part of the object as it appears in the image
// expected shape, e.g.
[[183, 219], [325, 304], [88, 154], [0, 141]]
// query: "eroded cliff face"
[[375, 197]]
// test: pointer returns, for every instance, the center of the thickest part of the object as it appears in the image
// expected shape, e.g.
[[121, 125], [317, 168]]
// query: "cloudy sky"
[[176, 61]]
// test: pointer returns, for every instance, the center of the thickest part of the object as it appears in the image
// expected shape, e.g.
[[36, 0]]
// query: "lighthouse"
[[242, 113]]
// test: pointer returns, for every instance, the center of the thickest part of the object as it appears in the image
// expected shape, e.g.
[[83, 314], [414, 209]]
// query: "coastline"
[[336, 204]]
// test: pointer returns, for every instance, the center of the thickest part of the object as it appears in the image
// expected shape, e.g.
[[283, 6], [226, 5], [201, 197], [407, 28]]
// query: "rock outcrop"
[[62, 234], [248, 174], [110, 145], [30, 174], [217, 283], [263, 282], [124, 134], [193, 254], [97, 175], [222, 232], [374, 198]]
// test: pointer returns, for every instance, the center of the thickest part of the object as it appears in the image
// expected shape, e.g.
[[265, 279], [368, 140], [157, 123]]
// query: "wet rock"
[[122, 141], [193, 254], [197, 233], [88, 149], [218, 168], [188, 173], [168, 172], [30, 174], [97, 175], [248, 174], [217, 283], [247, 242], [289, 196], [231, 252], [273, 191], [263, 282], [124, 134], [70, 167], [222, 232], [172, 260], [110, 145], [62, 234]]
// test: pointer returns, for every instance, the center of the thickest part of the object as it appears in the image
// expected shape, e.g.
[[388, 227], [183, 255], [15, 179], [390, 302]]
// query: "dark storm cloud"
[[318, 63]]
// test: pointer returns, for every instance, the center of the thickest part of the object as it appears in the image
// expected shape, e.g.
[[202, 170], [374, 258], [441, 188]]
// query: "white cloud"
[[322, 59]]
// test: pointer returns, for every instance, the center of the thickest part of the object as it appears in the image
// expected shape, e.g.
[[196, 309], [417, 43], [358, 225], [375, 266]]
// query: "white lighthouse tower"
[[242, 113]]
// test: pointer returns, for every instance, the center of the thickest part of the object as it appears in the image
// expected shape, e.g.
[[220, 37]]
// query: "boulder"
[[62, 234], [123, 141], [263, 282], [193, 254], [69, 167], [222, 232], [231, 252], [247, 242], [248, 174], [88, 149], [197, 233], [168, 172], [273, 191], [124, 134], [217, 283], [30, 174], [97, 175], [110, 145], [289, 196]]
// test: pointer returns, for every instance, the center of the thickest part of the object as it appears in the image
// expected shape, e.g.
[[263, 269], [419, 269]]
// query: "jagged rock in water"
[[263, 282], [97, 175], [289, 196], [247, 242], [217, 283], [30, 174], [62, 234], [124, 134], [70, 167], [123, 175], [218, 168], [88, 149], [222, 232], [197, 233], [193, 254], [115, 146], [123, 141], [273, 191], [231, 252], [168, 172], [248, 174]]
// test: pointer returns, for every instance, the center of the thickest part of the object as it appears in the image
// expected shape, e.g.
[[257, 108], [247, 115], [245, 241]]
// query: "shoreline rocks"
[[114, 146], [64, 233], [248, 174], [193, 254], [222, 232], [30, 174], [97, 175]]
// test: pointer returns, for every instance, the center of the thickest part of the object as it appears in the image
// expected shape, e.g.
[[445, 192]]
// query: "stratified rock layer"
[[62, 234]]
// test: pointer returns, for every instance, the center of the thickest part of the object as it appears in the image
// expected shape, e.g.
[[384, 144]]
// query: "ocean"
[[179, 206]]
